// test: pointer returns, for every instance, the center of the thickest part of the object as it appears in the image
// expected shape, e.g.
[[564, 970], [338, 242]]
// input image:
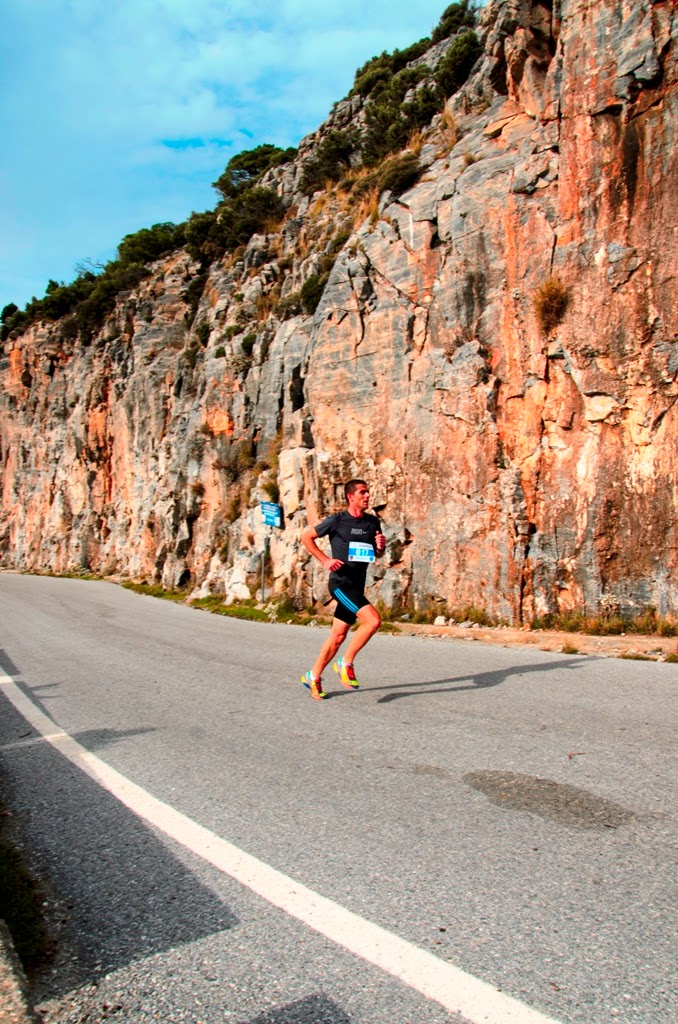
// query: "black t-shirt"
[[351, 540]]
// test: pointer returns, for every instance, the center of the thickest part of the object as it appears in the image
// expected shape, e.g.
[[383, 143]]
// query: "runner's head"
[[357, 495]]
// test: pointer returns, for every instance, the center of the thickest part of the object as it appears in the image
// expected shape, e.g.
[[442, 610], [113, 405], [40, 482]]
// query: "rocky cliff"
[[495, 350]]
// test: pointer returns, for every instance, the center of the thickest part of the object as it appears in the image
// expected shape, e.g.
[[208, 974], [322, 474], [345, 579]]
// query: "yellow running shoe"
[[346, 674], [314, 685]]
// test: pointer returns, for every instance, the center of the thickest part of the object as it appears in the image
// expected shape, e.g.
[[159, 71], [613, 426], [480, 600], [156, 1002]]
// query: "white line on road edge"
[[436, 979]]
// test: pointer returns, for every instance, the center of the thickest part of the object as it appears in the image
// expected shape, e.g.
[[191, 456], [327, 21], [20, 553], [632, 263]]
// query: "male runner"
[[356, 540]]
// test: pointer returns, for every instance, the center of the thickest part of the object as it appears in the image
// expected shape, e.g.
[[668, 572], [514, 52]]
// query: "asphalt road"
[[510, 811]]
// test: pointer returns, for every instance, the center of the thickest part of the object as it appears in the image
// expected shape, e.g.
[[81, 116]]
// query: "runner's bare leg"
[[369, 622], [330, 647]]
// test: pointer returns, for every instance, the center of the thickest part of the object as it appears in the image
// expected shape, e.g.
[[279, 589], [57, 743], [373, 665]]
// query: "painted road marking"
[[457, 991]]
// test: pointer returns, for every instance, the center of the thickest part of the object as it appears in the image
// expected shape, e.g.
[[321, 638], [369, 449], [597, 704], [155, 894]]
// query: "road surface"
[[480, 834]]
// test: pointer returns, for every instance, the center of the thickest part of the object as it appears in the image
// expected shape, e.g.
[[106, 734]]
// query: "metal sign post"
[[272, 514], [263, 570]]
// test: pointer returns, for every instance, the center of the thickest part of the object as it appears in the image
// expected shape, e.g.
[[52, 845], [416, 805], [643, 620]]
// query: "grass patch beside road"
[[155, 590], [281, 610], [215, 604], [649, 623]]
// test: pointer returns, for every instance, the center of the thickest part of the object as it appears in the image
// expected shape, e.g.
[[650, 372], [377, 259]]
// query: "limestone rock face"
[[521, 462]]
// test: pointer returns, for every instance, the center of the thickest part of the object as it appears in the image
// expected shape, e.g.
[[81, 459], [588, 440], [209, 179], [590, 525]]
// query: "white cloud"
[[90, 92]]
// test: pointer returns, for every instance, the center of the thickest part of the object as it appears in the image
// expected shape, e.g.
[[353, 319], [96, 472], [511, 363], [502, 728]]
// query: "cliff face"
[[519, 465]]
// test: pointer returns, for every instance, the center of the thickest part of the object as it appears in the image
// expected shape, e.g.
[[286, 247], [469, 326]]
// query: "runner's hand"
[[380, 542], [332, 564]]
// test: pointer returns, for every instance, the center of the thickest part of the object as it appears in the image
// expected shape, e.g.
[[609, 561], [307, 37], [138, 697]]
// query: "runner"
[[356, 540]]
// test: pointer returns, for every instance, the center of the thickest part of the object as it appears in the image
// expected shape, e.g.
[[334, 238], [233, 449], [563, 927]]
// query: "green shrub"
[[248, 343], [211, 234], [202, 333], [456, 65], [454, 17], [421, 110], [472, 613], [399, 173], [249, 214], [330, 162], [150, 244], [246, 168], [117, 278], [312, 291], [378, 73], [193, 294], [246, 209], [8, 312], [92, 296], [201, 232], [219, 352], [401, 58], [59, 301], [379, 70], [69, 328], [389, 121]]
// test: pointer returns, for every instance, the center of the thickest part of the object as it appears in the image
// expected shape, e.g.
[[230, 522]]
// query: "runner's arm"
[[308, 539]]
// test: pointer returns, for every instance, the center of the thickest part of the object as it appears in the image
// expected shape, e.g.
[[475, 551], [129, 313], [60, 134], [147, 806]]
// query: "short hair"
[[352, 486]]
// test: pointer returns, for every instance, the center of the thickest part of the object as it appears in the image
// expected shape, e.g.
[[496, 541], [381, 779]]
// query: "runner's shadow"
[[481, 681]]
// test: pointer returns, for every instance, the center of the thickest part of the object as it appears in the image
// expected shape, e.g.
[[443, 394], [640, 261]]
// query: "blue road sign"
[[272, 513]]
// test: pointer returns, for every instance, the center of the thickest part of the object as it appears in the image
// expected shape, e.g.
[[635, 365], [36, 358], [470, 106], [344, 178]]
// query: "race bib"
[[360, 552]]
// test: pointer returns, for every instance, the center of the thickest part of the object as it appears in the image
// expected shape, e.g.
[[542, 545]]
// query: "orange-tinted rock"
[[518, 467]]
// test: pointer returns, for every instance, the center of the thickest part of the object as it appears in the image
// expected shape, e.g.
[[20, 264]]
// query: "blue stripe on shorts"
[[347, 603]]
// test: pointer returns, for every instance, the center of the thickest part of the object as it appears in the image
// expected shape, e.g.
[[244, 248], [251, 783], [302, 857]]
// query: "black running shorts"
[[349, 601]]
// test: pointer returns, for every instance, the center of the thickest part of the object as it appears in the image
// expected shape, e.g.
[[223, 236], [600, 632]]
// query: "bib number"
[[360, 552]]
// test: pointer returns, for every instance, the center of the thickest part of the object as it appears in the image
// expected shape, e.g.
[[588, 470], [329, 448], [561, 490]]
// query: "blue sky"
[[118, 115]]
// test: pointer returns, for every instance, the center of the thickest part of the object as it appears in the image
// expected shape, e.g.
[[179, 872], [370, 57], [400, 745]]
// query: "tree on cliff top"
[[246, 168], [150, 244], [455, 17]]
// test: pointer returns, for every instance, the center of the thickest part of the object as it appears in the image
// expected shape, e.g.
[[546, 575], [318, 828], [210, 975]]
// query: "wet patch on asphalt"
[[555, 801]]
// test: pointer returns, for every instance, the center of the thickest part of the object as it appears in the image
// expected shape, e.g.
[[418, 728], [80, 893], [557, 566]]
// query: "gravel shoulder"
[[633, 645]]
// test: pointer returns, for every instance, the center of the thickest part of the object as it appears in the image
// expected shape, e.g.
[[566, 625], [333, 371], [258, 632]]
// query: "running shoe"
[[314, 685], [346, 674]]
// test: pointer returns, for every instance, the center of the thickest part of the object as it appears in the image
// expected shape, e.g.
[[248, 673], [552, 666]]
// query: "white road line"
[[457, 991]]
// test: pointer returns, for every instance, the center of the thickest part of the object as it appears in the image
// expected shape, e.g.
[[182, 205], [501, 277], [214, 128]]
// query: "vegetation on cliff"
[[92, 296], [400, 98], [402, 95]]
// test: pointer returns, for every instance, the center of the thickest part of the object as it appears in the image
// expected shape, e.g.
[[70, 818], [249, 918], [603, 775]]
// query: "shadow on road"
[[98, 739], [317, 1009], [397, 691], [118, 893], [7, 665]]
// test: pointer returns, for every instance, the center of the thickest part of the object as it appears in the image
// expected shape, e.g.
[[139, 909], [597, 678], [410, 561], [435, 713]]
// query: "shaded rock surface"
[[518, 467]]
